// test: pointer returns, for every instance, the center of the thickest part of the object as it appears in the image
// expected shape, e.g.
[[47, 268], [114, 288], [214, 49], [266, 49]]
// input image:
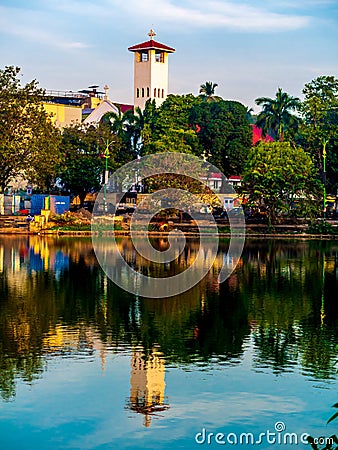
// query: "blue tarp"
[[58, 203]]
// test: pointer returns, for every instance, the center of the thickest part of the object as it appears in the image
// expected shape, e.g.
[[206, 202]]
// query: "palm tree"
[[117, 121], [207, 92], [134, 126], [249, 112], [128, 126], [275, 117]]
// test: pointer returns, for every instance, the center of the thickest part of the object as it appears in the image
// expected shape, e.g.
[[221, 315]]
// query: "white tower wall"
[[150, 72]]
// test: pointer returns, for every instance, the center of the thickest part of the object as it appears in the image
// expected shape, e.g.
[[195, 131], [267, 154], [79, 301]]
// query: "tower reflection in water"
[[147, 384]]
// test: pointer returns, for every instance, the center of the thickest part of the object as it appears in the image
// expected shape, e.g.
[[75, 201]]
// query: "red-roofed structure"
[[124, 107], [235, 178], [214, 180], [151, 45], [150, 71]]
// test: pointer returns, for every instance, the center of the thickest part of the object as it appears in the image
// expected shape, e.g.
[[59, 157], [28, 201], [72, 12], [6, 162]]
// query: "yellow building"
[[67, 107], [64, 115]]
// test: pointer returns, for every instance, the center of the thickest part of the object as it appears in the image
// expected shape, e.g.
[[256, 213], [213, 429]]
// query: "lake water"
[[85, 365]]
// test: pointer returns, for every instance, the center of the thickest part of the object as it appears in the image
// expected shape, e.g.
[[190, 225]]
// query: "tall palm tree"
[[276, 117], [207, 91]]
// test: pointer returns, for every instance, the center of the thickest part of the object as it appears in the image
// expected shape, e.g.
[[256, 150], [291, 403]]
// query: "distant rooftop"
[[82, 98], [65, 94]]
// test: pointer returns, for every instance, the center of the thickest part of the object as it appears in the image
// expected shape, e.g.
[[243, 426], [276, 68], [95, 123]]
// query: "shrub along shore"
[[317, 230]]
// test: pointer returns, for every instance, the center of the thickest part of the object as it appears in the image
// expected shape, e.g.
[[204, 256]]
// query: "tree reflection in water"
[[56, 300]]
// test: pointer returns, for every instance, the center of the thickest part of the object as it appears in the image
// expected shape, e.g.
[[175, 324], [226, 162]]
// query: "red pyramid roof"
[[151, 45]]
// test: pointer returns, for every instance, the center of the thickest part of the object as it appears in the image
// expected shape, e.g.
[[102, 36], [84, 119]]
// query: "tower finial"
[[151, 34]]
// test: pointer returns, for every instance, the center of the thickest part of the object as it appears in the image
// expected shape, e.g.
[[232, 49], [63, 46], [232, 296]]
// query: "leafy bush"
[[65, 218], [321, 227], [72, 228]]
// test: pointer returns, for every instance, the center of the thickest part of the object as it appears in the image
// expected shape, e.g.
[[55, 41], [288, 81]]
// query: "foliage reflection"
[[55, 300]]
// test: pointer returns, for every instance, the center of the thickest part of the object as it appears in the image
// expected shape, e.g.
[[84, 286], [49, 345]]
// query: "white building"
[[150, 71]]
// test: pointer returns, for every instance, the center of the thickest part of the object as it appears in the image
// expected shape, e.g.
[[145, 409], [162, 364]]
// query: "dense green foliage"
[[83, 161], [169, 127], [29, 143], [218, 131], [281, 179], [224, 133], [205, 125], [320, 126]]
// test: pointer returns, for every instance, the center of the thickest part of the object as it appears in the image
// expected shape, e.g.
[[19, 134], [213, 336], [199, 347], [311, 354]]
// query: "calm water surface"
[[84, 365]]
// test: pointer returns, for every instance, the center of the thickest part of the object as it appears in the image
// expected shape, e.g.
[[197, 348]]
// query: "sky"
[[248, 47]]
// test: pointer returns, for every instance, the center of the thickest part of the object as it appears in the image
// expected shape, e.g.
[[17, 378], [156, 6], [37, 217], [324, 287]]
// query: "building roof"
[[96, 115], [124, 107], [151, 45]]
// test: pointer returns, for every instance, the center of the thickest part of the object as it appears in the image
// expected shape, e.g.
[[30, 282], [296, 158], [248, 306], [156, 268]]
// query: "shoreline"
[[121, 233]]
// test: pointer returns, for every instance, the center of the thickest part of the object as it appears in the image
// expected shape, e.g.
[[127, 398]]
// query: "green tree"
[[320, 97], [320, 111], [181, 141], [277, 176], [224, 133], [169, 128], [150, 114], [83, 163], [207, 92], [29, 142], [276, 117], [124, 127], [134, 128]]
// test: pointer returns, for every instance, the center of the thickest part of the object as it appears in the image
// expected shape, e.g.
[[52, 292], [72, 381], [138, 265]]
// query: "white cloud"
[[220, 14], [32, 26], [199, 14]]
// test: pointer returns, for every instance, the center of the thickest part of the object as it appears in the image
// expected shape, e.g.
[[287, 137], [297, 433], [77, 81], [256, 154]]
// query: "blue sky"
[[249, 47]]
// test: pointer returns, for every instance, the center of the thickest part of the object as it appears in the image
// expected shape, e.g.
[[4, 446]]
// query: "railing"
[[66, 94]]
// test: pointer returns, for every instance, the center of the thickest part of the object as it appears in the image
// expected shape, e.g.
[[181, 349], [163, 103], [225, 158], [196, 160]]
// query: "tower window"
[[162, 93], [155, 92], [142, 92], [148, 92], [158, 92], [144, 57], [159, 57], [137, 92]]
